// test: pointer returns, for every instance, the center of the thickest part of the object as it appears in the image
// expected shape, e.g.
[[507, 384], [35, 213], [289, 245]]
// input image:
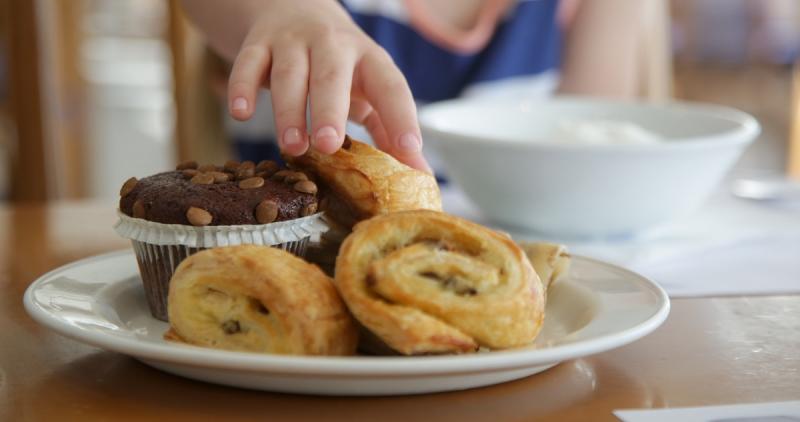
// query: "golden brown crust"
[[365, 182], [550, 260], [171, 335], [428, 282], [258, 299]]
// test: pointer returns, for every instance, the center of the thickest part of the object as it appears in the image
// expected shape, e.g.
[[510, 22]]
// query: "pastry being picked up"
[[425, 282], [258, 299], [362, 181]]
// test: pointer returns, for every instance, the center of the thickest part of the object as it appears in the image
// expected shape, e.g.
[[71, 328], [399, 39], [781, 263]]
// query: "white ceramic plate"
[[100, 301]]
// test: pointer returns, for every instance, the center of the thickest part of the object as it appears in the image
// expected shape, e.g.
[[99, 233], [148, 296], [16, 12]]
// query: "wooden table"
[[710, 351]]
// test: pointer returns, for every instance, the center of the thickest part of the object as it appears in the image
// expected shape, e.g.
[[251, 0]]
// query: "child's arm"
[[600, 55], [310, 50]]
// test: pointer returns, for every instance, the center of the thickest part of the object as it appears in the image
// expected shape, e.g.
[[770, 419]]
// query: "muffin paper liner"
[[212, 236], [159, 248]]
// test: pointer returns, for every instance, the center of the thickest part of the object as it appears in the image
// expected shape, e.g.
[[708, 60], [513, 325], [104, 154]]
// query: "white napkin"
[[788, 411], [728, 247]]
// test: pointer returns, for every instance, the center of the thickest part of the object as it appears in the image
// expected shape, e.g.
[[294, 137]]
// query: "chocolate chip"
[[187, 165], [430, 274], [207, 167], [189, 173], [266, 211], [295, 177], [231, 166], [309, 209], [203, 179], [251, 183], [128, 186], [198, 216], [138, 209], [210, 291], [245, 173], [219, 176], [231, 326], [457, 285], [281, 174], [348, 142], [267, 166], [305, 186]]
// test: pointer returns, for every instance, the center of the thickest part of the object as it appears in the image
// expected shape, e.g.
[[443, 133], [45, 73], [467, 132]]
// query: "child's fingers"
[[329, 94], [289, 88], [361, 112], [246, 77], [387, 91]]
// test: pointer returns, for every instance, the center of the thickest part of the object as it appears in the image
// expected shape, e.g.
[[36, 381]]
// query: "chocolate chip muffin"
[[171, 215], [220, 196]]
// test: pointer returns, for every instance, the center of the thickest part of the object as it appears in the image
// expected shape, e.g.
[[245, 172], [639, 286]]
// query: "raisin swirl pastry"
[[363, 181], [258, 299], [426, 282]]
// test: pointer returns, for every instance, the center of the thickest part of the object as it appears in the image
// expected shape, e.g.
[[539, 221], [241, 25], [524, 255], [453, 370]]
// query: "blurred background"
[[95, 91]]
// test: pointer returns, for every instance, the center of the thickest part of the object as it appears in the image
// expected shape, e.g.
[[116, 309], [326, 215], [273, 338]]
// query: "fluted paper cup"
[[159, 248]]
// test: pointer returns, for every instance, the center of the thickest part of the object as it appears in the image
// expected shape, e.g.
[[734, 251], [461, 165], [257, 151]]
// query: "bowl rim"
[[746, 132]]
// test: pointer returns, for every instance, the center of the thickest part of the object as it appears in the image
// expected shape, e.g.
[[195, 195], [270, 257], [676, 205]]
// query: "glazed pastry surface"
[[427, 282], [364, 181], [258, 299]]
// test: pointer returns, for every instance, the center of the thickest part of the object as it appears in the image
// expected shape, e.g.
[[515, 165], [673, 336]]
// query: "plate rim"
[[366, 366]]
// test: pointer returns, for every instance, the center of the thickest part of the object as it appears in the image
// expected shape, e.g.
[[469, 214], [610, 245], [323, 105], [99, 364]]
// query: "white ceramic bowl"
[[504, 157]]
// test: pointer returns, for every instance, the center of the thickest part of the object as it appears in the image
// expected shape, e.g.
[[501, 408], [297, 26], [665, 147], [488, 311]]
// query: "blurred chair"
[[54, 143], [46, 150], [199, 132], [28, 153], [793, 164]]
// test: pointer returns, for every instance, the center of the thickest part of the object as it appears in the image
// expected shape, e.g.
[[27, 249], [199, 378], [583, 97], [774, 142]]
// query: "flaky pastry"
[[258, 299], [428, 282], [550, 260], [364, 182]]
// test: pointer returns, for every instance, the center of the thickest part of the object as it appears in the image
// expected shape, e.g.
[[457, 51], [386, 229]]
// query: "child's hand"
[[312, 50]]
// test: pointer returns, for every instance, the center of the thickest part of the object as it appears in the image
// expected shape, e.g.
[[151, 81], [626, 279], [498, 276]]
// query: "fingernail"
[[239, 104], [291, 136], [325, 135], [409, 143]]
